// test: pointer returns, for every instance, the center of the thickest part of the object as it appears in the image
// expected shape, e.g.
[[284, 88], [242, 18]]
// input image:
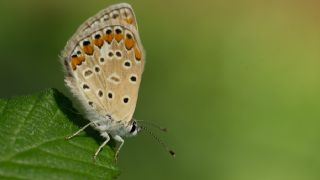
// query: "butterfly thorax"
[[113, 127]]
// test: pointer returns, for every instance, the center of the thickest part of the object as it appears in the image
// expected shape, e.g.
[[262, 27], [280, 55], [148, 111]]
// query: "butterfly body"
[[104, 62]]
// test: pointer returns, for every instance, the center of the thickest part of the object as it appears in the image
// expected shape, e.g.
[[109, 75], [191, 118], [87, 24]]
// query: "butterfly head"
[[133, 129]]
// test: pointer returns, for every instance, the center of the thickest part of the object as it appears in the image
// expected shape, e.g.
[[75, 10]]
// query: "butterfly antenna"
[[172, 153], [153, 124]]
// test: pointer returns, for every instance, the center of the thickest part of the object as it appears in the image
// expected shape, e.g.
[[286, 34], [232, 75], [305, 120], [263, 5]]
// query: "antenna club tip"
[[164, 129], [173, 154]]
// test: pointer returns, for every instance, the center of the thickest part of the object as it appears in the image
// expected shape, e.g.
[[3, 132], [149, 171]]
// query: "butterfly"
[[104, 62]]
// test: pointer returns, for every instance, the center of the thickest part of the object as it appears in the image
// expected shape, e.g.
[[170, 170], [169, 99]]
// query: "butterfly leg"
[[119, 139], [105, 135], [79, 131]]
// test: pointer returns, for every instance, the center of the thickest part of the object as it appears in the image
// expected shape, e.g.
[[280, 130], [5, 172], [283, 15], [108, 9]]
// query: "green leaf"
[[33, 146]]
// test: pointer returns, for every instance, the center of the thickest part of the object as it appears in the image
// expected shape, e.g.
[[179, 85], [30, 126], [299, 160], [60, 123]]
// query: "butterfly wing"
[[104, 62]]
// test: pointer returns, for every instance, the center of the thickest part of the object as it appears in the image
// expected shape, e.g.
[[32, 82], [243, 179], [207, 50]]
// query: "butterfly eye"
[[133, 128]]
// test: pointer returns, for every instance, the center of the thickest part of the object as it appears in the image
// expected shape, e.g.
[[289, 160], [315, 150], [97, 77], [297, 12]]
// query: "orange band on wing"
[[108, 38], [98, 42], [137, 54], [118, 37], [88, 49], [76, 61], [129, 43]]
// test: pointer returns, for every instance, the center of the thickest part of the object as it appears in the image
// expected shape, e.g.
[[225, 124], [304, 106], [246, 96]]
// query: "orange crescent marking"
[[76, 61], [73, 64], [118, 37], [137, 54], [88, 49], [98, 42], [129, 43], [108, 37]]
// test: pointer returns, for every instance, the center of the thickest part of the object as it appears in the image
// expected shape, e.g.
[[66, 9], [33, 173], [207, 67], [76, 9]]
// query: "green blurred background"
[[236, 82]]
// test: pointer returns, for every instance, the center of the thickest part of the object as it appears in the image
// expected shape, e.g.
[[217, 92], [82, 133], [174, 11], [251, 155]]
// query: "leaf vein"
[[52, 168], [20, 125], [68, 158]]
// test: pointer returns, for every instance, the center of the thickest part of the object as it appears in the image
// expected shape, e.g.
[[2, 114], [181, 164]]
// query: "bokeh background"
[[236, 82]]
